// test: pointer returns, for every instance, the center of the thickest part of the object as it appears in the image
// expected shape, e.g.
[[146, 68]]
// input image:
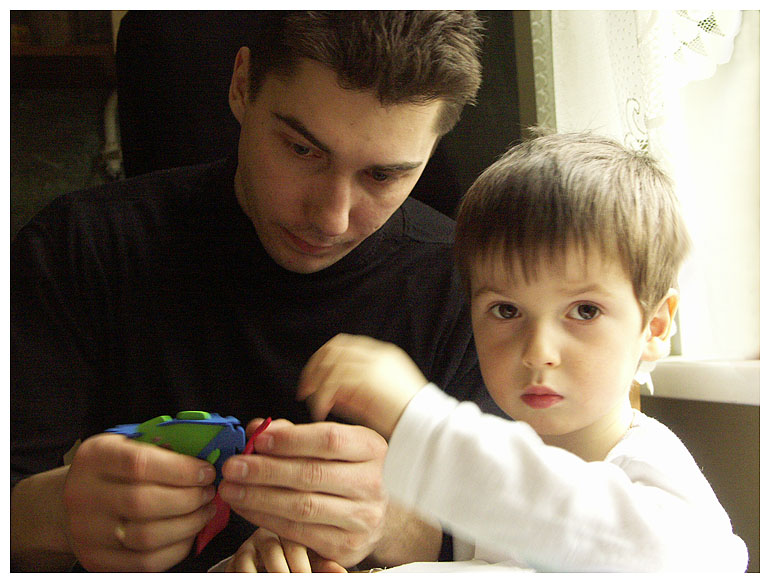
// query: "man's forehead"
[[314, 86], [351, 125]]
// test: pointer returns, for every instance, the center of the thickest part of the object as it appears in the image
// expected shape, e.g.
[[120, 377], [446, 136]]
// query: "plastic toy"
[[207, 436]]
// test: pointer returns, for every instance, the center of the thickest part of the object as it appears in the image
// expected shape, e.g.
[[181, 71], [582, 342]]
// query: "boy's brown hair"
[[402, 56], [578, 189]]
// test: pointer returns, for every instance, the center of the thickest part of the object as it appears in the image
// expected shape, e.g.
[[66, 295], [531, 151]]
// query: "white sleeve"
[[496, 481]]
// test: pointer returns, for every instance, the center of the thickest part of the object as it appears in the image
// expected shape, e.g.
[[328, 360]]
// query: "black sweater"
[[154, 295]]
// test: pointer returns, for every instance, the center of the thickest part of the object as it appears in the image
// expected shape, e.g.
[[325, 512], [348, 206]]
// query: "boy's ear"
[[658, 330], [239, 84]]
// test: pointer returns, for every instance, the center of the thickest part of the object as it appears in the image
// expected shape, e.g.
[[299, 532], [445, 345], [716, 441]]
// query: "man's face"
[[321, 168]]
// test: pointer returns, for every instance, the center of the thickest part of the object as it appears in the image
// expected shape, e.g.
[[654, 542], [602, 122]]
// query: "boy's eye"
[[584, 312], [505, 311]]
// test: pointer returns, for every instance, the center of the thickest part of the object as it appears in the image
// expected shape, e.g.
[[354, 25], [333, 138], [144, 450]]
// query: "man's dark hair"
[[402, 56]]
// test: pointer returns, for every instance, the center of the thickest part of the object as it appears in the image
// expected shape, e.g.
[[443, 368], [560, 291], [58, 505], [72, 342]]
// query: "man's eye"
[[300, 150], [505, 311], [379, 176], [585, 312]]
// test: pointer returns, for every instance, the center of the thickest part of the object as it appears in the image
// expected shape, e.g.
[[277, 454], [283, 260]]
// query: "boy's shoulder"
[[651, 454], [648, 438]]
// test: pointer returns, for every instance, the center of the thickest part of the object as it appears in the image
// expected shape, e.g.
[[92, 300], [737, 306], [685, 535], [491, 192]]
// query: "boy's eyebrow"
[[590, 287], [485, 289], [575, 291], [300, 128]]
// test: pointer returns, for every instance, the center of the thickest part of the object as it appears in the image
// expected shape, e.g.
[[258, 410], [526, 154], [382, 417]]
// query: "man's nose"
[[541, 350], [329, 208]]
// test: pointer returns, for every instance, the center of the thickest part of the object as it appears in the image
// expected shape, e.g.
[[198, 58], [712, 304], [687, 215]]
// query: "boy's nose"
[[541, 350]]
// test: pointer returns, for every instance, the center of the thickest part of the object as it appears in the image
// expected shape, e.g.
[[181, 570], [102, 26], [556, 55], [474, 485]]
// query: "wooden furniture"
[[62, 48]]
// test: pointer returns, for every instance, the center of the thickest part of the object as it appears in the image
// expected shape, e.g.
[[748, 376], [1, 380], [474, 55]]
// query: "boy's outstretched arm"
[[364, 380]]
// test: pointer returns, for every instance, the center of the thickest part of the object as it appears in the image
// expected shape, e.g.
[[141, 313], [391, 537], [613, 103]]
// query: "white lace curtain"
[[645, 78]]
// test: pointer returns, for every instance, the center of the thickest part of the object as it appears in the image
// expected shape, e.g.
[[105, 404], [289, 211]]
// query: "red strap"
[[222, 517]]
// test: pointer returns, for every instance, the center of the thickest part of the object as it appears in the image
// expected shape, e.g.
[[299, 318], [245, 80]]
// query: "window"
[[685, 86]]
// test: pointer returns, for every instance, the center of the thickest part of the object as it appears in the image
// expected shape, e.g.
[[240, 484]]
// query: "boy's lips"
[[540, 397]]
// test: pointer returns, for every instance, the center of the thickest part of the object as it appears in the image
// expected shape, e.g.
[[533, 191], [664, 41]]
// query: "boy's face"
[[321, 168], [560, 351]]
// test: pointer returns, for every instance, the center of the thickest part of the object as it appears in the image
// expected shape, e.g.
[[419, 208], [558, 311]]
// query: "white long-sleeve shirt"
[[646, 507]]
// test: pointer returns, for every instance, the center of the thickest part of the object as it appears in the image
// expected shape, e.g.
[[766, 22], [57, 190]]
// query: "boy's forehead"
[[573, 264]]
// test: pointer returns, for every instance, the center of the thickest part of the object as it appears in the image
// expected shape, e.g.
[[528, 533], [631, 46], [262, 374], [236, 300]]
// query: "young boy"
[[570, 247]]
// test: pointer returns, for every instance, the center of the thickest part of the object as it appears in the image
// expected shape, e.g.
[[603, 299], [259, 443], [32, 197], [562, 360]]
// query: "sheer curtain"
[[683, 85]]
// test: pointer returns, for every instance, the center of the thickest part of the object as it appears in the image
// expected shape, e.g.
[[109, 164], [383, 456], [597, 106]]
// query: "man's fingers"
[[153, 502], [120, 458], [137, 501], [157, 534], [326, 440], [349, 479], [305, 507], [126, 560]]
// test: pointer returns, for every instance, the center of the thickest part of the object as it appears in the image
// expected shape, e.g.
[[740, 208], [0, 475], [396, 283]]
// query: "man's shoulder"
[[425, 224], [179, 182], [146, 198]]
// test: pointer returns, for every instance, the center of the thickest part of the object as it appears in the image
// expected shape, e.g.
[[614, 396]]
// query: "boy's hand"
[[364, 380], [265, 551]]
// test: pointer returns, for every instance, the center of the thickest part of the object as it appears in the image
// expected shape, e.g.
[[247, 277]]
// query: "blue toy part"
[[207, 436]]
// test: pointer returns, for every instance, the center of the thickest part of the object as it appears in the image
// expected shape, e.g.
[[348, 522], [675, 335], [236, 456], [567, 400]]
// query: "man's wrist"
[[38, 535], [407, 539]]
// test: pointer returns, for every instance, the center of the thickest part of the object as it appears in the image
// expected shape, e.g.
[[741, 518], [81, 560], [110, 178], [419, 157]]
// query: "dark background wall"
[[172, 71]]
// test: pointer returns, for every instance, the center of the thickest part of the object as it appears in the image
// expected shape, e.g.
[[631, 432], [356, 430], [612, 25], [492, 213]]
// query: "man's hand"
[[131, 506], [359, 378], [265, 551], [318, 484]]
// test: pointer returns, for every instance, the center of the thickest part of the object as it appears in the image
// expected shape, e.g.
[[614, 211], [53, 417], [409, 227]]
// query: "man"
[[209, 287]]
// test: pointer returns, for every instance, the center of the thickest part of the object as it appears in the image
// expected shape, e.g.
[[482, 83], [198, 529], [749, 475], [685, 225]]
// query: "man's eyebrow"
[[402, 167], [300, 128]]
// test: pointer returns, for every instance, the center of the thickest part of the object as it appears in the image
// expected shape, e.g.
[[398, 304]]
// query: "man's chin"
[[305, 264], [297, 255]]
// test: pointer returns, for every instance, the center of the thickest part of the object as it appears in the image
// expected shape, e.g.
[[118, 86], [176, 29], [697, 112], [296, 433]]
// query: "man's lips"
[[538, 397], [305, 247]]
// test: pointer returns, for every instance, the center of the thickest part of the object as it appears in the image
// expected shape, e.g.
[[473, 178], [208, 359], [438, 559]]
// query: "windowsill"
[[707, 380]]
